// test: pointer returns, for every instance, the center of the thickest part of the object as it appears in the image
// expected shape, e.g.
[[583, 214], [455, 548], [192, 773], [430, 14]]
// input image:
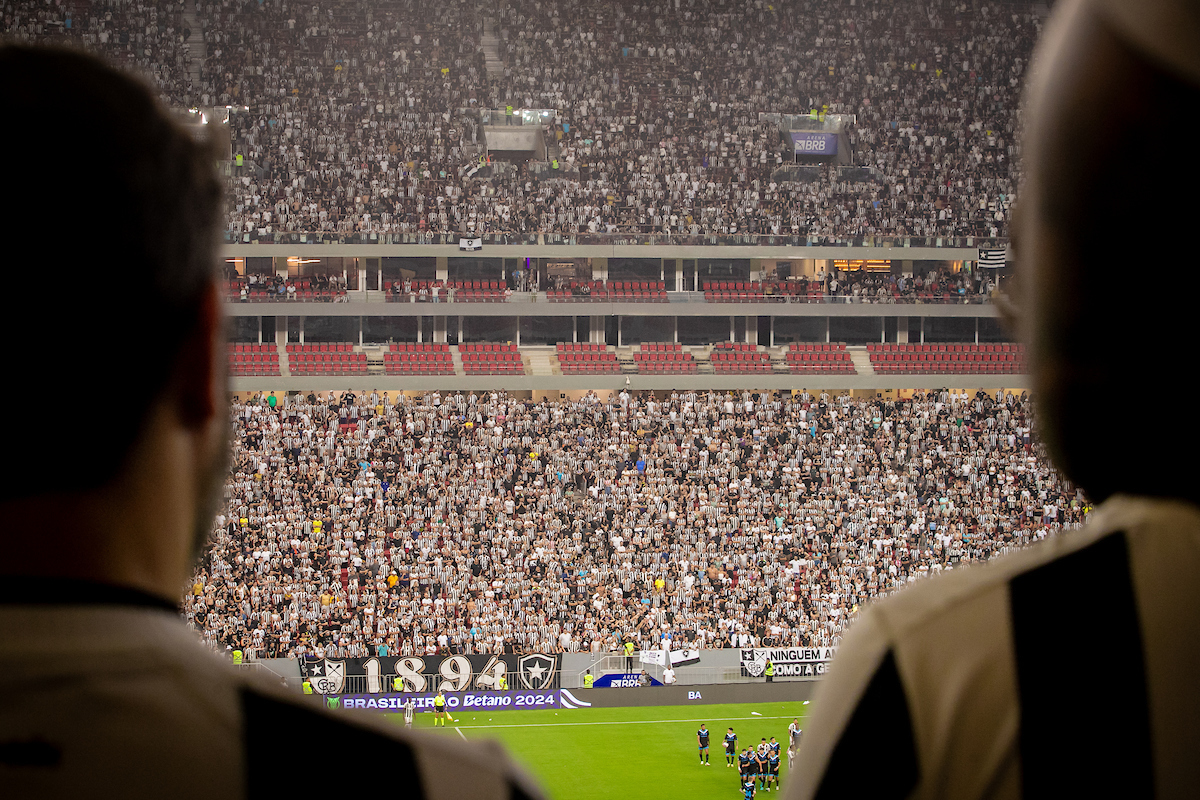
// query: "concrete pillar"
[[596, 329], [420, 339], [600, 268], [901, 330], [731, 329], [922, 330], [360, 331], [441, 271], [752, 330], [301, 326], [281, 330], [827, 330], [439, 329], [977, 330], [675, 331], [620, 341]]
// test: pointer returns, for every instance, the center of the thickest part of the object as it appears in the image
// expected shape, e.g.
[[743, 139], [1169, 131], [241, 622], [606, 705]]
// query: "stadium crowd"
[[365, 118], [363, 524], [149, 37]]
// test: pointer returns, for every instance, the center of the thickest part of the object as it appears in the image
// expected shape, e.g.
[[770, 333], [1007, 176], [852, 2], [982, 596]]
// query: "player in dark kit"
[[702, 740], [731, 749], [773, 770], [748, 787], [760, 761], [754, 765], [745, 764]]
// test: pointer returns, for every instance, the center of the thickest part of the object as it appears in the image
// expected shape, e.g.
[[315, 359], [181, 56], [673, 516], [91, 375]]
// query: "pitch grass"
[[627, 753]]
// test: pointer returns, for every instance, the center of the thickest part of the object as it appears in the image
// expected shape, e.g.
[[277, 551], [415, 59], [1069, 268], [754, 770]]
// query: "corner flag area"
[[602, 753]]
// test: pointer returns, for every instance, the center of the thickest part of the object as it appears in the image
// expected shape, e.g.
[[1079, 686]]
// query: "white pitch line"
[[629, 722], [460, 733]]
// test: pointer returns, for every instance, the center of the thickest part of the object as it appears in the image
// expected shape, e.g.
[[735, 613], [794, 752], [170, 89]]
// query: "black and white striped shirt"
[[118, 698], [1066, 670]]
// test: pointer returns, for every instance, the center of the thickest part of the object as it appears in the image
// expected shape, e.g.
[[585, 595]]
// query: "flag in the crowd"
[[682, 658], [656, 657], [992, 259], [470, 245]]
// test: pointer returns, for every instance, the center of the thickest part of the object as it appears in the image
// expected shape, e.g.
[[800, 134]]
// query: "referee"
[[106, 689], [1069, 669]]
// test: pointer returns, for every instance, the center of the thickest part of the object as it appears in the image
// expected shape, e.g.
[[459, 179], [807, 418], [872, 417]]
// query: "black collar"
[[26, 590]]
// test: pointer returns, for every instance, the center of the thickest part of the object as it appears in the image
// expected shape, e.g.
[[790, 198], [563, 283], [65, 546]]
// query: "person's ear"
[[199, 370]]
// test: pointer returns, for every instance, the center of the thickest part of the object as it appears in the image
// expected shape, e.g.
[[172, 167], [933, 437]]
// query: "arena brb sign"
[[789, 662], [814, 144]]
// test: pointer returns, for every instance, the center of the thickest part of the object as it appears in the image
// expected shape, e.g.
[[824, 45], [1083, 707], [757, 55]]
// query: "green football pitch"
[[627, 753]]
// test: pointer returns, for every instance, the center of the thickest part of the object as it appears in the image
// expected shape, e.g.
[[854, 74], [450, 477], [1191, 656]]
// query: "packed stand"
[[147, 37], [370, 523], [354, 118]]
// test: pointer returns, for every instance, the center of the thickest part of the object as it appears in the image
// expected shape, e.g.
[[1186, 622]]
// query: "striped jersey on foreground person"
[[109, 682], [1069, 669]]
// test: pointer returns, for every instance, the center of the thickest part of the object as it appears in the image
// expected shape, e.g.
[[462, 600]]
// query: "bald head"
[[1106, 300]]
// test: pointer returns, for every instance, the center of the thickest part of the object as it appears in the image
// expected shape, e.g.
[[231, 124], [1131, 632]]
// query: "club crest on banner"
[[536, 671], [754, 662], [327, 677]]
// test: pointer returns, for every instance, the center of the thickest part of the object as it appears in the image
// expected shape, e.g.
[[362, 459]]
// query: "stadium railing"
[[611, 239], [552, 296]]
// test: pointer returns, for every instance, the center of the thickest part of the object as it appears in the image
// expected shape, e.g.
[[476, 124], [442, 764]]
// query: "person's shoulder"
[[935, 603], [274, 720]]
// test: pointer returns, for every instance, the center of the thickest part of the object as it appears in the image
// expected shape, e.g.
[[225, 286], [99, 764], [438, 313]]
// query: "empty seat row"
[[323, 347], [953, 359], [664, 358], [253, 359], [431, 362], [580, 347], [586, 358], [822, 358], [913, 347], [488, 347], [420, 347], [730, 361]]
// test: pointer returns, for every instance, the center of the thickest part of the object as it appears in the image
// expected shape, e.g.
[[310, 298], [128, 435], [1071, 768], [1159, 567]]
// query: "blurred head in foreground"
[[1102, 233], [112, 209]]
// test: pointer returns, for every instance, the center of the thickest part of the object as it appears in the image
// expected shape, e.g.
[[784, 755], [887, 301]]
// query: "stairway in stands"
[[195, 44], [285, 368], [491, 49], [375, 365], [862, 360], [538, 360]]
